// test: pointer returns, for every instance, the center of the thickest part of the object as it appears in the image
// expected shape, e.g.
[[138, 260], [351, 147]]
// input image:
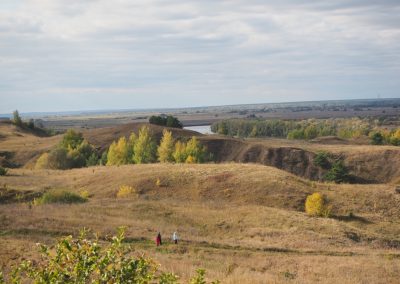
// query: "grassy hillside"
[[244, 223], [367, 163]]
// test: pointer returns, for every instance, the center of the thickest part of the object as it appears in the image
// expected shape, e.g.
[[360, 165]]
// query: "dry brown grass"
[[243, 223], [367, 162]]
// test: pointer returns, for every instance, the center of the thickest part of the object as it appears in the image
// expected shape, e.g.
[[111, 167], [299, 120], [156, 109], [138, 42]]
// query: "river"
[[204, 129]]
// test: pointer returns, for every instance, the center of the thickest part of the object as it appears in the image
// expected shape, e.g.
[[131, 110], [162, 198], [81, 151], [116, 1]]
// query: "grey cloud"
[[175, 53]]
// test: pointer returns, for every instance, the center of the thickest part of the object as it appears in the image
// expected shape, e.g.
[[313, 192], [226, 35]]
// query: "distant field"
[[209, 115]]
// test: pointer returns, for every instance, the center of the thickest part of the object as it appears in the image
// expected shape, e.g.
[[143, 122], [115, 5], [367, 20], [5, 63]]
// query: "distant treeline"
[[309, 129], [169, 121]]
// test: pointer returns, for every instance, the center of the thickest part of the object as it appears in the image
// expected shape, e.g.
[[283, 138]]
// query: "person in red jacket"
[[158, 239]]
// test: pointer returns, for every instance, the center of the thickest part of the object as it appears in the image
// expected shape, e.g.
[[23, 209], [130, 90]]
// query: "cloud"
[[155, 53]]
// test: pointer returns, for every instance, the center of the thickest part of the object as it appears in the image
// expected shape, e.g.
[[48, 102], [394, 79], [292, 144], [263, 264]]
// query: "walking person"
[[158, 239], [175, 237]]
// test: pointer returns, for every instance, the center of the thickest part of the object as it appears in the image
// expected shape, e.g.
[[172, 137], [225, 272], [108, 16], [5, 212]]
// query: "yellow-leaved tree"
[[395, 138], [166, 148], [118, 153], [180, 152], [144, 148], [195, 151]]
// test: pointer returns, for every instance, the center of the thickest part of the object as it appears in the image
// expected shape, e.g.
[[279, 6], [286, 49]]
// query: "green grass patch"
[[59, 196]]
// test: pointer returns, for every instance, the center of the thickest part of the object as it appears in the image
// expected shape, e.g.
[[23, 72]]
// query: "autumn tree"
[[179, 154], [195, 150], [166, 148], [118, 153], [144, 148], [71, 139]]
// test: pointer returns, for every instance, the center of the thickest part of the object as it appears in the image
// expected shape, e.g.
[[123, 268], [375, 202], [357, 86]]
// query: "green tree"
[[103, 159], [144, 149], [71, 139], [131, 144], [3, 171], [310, 132], [377, 138], [58, 159], [338, 173], [166, 148], [322, 160], [17, 118]]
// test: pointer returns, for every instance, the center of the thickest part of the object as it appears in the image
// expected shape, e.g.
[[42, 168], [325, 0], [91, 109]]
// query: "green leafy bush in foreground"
[[84, 261], [59, 196]]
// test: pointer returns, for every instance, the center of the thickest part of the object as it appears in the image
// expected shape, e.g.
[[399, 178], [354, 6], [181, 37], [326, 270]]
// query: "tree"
[[131, 144], [71, 139], [58, 159], [103, 159], [322, 160], [76, 159], [377, 138], [195, 150], [145, 148], [17, 118], [31, 124], [3, 171], [169, 121], [173, 122], [93, 160], [338, 173], [310, 132], [180, 152], [166, 148], [395, 138], [118, 153]]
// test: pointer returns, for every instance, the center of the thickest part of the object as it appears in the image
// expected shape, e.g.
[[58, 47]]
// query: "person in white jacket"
[[175, 237]]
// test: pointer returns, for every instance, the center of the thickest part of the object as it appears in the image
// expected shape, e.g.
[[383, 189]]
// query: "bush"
[[82, 260], [126, 191], [59, 196], [3, 171], [316, 205], [84, 194]]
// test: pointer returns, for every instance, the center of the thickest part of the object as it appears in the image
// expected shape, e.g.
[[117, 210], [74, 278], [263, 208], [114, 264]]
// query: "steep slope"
[[368, 164]]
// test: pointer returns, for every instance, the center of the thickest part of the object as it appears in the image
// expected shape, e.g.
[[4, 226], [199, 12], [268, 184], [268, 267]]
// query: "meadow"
[[241, 216]]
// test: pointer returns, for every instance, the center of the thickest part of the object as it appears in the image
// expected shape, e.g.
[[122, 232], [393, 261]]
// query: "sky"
[[61, 55]]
